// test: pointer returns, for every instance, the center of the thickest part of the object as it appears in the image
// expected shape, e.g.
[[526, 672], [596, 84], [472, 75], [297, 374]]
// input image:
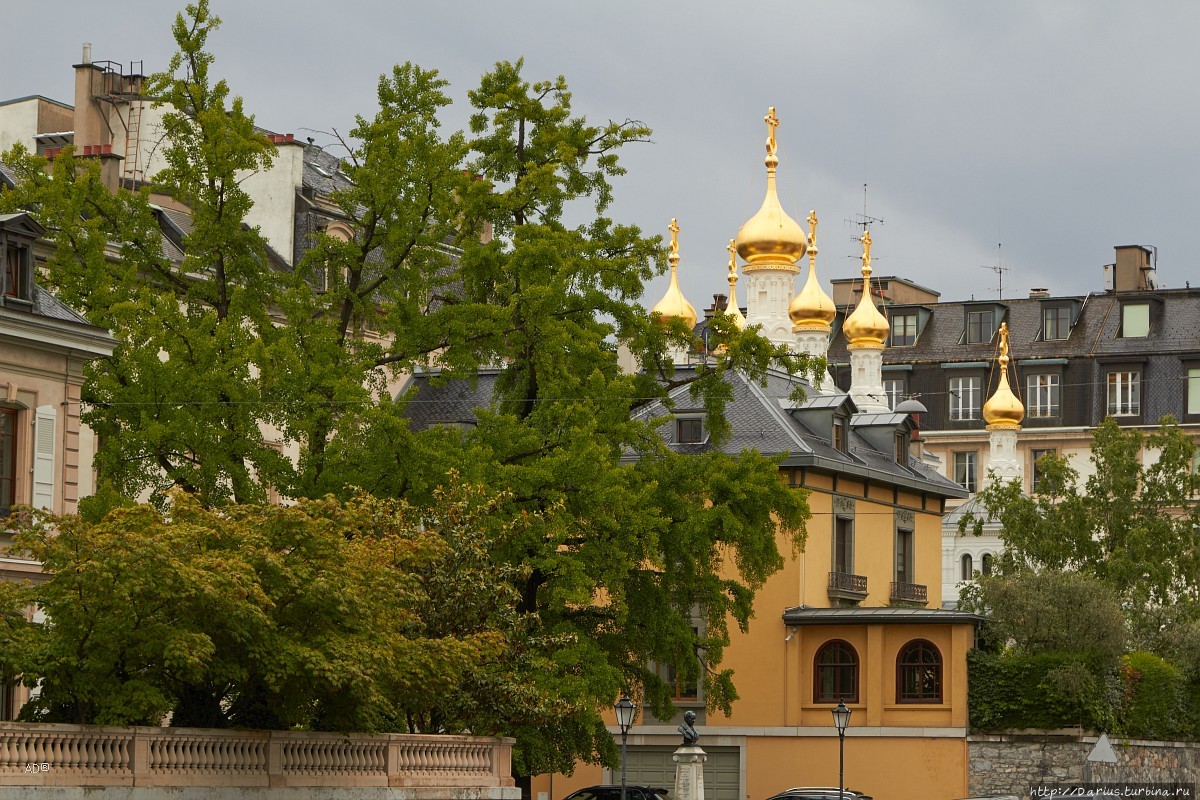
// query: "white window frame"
[[1044, 392], [988, 325], [1055, 313], [1124, 393], [965, 394], [1192, 397], [966, 469], [896, 390], [1135, 320], [903, 329]]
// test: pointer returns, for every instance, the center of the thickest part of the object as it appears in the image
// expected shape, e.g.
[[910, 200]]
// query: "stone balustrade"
[[33, 754]]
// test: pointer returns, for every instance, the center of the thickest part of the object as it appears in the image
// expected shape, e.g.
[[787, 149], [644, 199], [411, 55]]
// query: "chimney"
[[1133, 271], [1038, 292], [87, 53], [720, 301]]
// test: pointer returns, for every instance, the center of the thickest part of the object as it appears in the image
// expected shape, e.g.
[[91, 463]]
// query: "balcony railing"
[[845, 586], [34, 754], [909, 593]]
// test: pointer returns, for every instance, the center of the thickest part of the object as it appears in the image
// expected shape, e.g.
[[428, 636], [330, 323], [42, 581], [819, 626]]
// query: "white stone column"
[[1003, 462], [866, 377], [814, 341], [768, 292], [689, 773]]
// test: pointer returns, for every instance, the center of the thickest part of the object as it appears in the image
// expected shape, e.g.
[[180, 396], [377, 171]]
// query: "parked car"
[[632, 792], [818, 793]]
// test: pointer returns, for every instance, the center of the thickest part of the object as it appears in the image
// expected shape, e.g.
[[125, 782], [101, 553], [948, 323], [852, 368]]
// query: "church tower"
[[1003, 413], [771, 243], [866, 333], [812, 311], [674, 305]]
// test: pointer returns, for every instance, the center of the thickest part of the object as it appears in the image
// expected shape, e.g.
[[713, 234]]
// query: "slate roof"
[[47, 305], [758, 415]]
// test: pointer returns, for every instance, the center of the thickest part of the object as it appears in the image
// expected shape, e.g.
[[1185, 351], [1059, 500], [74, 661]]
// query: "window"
[[689, 430], [681, 688], [903, 330], [8, 458], [1193, 391], [968, 567], [1036, 456], [843, 545], [988, 559], [1043, 395], [981, 325], [895, 390], [1135, 320], [901, 442], [1056, 322], [836, 673], [1124, 394], [964, 398], [840, 427], [919, 673], [18, 272], [904, 556], [966, 468]]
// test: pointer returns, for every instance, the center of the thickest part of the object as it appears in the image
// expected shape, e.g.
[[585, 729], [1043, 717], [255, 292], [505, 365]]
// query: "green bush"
[[1047, 690], [1157, 699]]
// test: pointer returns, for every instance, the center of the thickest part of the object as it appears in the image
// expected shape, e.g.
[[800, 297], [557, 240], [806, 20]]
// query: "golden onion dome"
[[771, 237], [673, 304], [866, 327], [1003, 410], [812, 307], [732, 308]]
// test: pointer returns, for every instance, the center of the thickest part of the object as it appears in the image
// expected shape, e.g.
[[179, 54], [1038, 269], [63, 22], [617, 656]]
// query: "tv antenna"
[[998, 269], [864, 220]]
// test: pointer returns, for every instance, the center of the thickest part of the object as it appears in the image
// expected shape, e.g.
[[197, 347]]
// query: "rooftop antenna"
[[863, 221], [998, 269]]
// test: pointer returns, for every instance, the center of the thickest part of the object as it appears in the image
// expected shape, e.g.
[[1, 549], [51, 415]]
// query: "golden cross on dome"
[[1004, 340], [866, 256], [772, 123], [674, 229], [812, 228], [732, 248]]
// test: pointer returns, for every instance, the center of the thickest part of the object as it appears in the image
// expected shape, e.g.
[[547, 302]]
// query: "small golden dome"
[[812, 307], [732, 308], [771, 237], [1003, 410], [673, 304], [866, 326]]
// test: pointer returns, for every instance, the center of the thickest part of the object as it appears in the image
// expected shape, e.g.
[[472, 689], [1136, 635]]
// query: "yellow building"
[[857, 616]]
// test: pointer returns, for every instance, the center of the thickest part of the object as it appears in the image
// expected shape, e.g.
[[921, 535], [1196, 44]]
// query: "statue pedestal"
[[689, 773]]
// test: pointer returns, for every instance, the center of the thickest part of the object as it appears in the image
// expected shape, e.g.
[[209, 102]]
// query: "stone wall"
[[1010, 763]]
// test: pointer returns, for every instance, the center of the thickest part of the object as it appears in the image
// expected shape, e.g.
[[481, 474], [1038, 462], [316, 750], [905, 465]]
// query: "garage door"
[[652, 766]]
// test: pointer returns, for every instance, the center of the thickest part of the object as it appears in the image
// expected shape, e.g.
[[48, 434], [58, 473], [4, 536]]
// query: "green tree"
[[1132, 527], [619, 551]]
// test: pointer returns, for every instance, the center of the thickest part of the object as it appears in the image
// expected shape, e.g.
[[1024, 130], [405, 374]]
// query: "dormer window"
[[903, 329], [1056, 322], [18, 272], [841, 428], [689, 430], [1135, 320], [901, 442], [981, 326]]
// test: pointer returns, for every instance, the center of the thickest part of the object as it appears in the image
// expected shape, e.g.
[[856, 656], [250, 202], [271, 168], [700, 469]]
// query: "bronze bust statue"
[[688, 729]]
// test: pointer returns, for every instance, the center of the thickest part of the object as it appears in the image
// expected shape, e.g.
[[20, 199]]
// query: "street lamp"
[[841, 719], [624, 709]]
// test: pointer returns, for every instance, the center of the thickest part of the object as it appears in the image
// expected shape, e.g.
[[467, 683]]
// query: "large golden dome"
[[866, 327], [673, 304], [771, 237], [1003, 410], [812, 307]]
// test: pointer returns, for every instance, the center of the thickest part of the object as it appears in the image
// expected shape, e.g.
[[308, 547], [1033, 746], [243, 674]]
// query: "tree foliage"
[[1133, 527], [618, 552]]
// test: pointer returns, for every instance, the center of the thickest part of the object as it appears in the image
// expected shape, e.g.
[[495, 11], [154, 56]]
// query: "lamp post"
[[624, 709], [841, 719]]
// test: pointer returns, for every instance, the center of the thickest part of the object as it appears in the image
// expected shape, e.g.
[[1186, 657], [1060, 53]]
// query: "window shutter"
[[43, 457]]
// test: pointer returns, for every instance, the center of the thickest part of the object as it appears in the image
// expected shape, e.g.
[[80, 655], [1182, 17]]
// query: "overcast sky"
[[1054, 129]]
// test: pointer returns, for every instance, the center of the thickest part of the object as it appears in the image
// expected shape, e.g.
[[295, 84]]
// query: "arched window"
[[987, 564], [968, 567], [836, 673], [919, 673]]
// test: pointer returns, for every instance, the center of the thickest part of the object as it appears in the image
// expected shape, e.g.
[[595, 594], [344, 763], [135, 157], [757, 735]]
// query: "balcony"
[[845, 586], [905, 593]]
